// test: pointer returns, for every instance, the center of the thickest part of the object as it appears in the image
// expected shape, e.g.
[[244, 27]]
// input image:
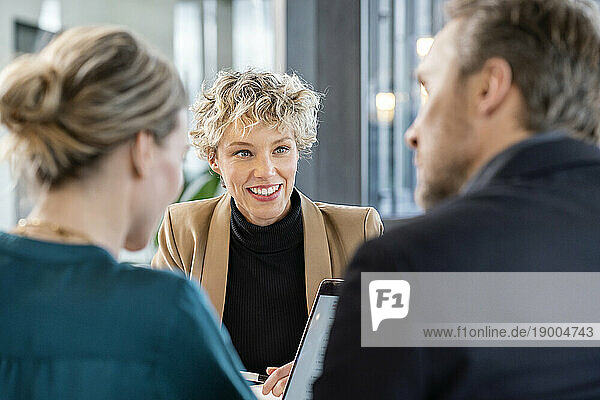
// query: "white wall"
[[152, 19], [28, 11], [7, 203]]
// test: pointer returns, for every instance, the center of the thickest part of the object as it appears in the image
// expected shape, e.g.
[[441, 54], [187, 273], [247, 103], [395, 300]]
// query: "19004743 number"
[[567, 332]]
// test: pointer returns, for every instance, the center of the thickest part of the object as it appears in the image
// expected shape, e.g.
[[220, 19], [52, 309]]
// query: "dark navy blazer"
[[534, 208]]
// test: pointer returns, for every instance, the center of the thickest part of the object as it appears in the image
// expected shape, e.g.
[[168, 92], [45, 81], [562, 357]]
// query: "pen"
[[254, 377]]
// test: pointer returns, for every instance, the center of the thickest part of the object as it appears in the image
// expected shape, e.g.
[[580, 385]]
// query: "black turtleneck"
[[265, 304]]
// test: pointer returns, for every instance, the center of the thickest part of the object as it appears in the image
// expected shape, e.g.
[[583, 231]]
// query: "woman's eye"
[[242, 153], [282, 149]]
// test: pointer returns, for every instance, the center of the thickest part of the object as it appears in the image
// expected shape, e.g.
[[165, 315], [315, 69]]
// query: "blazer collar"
[[216, 256], [543, 153], [317, 261]]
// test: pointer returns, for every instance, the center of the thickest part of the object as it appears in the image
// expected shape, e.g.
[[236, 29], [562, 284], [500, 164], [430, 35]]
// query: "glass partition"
[[398, 33]]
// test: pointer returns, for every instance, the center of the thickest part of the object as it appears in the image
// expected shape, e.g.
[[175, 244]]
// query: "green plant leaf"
[[209, 189]]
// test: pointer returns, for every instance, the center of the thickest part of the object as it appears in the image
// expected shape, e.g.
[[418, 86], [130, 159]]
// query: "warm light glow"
[[50, 15], [423, 46], [385, 101], [386, 107]]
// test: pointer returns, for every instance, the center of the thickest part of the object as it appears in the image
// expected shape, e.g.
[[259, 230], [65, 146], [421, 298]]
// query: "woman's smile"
[[265, 192], [258, 168]]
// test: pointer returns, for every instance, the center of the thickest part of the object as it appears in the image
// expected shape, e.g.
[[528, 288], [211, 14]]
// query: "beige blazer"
[[194, 238]]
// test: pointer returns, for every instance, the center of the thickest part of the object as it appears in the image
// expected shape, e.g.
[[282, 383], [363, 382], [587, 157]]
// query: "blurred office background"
[[361, 53]]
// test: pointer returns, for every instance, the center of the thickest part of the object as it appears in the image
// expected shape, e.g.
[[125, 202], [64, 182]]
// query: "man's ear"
[[495, 86], [213, 163], [142, 153]]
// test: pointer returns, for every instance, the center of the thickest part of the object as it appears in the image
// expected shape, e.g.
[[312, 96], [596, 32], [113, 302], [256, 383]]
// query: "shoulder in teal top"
[[76, 324]]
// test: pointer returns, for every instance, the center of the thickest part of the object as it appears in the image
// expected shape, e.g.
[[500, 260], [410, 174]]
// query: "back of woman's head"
[[89, 91]]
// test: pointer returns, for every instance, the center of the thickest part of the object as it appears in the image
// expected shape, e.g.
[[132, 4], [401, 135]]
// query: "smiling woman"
[[262, 248], [259, 171]]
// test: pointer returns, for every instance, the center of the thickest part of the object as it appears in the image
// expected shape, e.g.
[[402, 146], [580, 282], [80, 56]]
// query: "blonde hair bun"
[[87, 92], [30, 92]]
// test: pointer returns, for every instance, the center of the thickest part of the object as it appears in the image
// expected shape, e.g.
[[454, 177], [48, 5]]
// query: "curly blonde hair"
[[279, 101]]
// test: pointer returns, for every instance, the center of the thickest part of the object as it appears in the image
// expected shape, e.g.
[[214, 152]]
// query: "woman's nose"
[[264, 167]]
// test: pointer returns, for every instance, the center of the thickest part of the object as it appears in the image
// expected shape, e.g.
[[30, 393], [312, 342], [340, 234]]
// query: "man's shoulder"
[[450, 228], [448, 216], [345, 214], [509, 224]]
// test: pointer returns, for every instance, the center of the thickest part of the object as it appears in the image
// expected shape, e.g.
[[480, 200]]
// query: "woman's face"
[[259, 170], [162, 183]]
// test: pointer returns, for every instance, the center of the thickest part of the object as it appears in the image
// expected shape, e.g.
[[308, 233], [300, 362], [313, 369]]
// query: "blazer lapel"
[[317, 262], [216, 257]]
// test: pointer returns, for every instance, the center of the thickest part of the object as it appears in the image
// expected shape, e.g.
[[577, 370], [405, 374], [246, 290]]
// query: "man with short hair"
[[510, 181]]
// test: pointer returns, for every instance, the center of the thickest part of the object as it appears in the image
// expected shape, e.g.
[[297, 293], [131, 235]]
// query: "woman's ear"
[[142, 153], [213, 162]]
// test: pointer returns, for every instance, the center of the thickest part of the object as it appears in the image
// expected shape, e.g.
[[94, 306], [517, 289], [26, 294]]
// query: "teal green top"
[[76, 324]]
